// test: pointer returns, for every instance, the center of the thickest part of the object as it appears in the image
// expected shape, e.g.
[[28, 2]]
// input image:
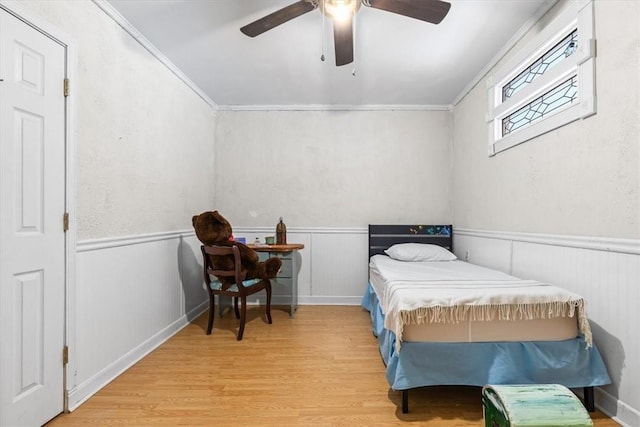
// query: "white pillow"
[[419, 252]]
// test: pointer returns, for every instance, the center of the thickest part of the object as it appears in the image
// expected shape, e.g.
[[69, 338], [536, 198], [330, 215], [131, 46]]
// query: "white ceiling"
[[399, 61]]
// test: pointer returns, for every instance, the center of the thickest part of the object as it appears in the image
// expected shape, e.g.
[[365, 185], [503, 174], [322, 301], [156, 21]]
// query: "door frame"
[[69, 43]]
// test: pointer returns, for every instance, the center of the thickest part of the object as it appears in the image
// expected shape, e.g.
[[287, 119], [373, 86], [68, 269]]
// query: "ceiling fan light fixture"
[[340, 10]]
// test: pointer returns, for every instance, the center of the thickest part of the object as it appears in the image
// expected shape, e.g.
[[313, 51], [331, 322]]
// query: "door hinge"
[[65, 355], [65, 221], [66, 87]]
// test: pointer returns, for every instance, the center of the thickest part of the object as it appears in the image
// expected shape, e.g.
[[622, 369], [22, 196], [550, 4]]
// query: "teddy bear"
[[213, 229]]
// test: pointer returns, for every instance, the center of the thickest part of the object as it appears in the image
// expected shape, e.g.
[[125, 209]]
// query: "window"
[[563, 94], [560, 51], [548, 84]]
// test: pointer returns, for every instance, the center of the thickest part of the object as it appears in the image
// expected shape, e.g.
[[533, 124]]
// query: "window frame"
[[578, 15]]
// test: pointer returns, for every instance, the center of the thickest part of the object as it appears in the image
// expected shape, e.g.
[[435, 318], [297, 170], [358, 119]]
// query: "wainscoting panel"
[[132, 294], [492, 253], [339, 267], [333, 263], [606, 272]]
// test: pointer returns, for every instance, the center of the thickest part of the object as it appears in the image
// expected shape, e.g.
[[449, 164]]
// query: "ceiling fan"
[[341, 12]]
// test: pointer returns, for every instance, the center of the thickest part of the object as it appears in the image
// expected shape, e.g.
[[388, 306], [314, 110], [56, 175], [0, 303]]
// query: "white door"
[[32, 240]]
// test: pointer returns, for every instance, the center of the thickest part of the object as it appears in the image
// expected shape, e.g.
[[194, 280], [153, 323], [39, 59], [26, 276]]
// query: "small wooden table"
[[276, 248], [288, 275]]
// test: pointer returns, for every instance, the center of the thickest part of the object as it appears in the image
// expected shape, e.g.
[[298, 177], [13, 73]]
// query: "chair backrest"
[[235, 271]]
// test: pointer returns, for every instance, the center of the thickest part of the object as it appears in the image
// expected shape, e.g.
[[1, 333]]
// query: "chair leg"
[[243, 316], [235, 307], [211, 313], [268, 289]]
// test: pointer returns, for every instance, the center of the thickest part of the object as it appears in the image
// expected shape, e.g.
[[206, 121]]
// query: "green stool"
[[535, 405]]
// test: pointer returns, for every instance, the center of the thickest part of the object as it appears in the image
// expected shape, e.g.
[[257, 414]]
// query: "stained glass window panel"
[[565, 48], [563, 94]]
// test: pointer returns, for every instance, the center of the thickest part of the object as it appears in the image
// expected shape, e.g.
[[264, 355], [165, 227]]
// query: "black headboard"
[[383, 236]]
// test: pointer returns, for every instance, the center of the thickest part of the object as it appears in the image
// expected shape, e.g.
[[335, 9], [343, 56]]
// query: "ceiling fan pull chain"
[[355, 32], [322, 34]]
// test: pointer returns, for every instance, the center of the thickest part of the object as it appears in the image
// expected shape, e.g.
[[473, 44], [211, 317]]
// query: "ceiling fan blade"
[[343, 41], [432, 11], [278, 17]]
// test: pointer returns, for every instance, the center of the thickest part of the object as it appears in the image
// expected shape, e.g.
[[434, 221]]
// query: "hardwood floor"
[[321, 368]]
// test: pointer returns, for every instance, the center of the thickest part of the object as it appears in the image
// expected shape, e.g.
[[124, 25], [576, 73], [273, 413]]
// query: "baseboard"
[[308, 300], [330, 300], [618, 411], [79, 394]]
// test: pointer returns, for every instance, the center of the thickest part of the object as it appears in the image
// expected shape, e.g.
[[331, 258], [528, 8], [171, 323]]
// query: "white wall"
[[144, 139], [581, 179], [333, 168], [571, 187], [330, 174]]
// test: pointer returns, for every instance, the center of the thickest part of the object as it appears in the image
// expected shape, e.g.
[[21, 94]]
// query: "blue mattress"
[[570, 362]]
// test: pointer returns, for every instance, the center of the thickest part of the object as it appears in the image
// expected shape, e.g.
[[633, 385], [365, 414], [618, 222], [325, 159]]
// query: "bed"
[[442, 321]]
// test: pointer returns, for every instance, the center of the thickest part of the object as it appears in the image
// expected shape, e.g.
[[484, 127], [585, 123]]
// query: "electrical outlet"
[[466, 255]]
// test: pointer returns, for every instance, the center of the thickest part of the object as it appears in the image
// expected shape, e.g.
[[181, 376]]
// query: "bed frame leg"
[[589, 399], [405, 401]]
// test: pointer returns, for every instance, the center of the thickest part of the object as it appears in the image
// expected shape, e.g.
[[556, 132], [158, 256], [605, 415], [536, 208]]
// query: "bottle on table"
[[281, 233]]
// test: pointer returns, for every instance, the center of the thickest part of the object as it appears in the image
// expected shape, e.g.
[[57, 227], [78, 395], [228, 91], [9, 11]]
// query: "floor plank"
[[320, 368]]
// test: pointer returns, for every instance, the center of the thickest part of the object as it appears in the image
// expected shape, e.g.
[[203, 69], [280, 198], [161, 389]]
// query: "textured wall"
[[581, 179], [144, 141], [333, 168]]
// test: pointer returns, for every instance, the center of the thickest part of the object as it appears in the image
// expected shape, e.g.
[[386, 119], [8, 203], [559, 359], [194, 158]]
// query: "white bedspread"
[[454, 291]]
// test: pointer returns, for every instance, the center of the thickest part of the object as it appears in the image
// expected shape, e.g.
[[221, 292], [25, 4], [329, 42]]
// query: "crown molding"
[[542, 10], [329, 107], [110, 11]]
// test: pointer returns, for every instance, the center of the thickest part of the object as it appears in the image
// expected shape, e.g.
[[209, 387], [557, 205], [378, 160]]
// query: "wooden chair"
[[238, 291]]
